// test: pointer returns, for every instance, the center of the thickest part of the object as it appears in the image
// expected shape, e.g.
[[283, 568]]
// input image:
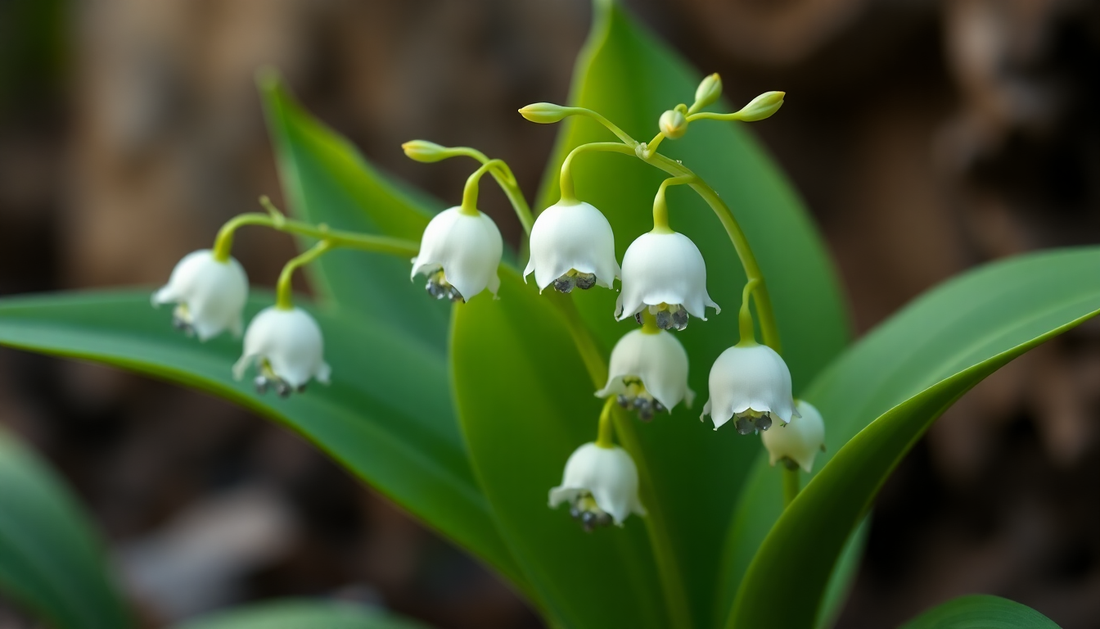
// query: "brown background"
[[926, 137]]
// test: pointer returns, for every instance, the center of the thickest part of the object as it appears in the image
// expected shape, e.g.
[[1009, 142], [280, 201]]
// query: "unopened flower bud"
[[673, 124], [543, 113], [709, 90], [761, 107], [799, 441], [425, 151]]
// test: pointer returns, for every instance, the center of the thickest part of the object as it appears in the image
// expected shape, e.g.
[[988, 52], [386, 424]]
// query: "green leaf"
[[525, 403], [905, 373], [50, 558], [326, 180], [630, 77], [387, 416], [302, 614], [980, 611]]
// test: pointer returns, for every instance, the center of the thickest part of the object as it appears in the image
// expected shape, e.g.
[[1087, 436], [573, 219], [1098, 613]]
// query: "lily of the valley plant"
[[546, 419]]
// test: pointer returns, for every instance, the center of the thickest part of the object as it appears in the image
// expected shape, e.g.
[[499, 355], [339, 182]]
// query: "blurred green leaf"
[[50, 558], [302, 614], [629, 76], [387, 415], [905, 373], [326, 180], [525, 403], [980, 611]]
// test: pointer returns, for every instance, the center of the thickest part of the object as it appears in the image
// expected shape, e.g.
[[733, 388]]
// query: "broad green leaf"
[[981, 611], [905, 373], [629, 76], [302, 614], [387, 415], [326, 180], [525, 403], [50, 558]]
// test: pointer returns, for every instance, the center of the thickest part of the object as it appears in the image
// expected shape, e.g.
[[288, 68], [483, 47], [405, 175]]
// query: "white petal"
[[609, 474], [213, 292], [572, 236], [800, 440], [749, 377], [664, 268], [658, 360], [468, 248], [290, 341]]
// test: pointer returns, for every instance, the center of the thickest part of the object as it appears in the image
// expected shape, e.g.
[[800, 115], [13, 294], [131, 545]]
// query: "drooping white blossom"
[[798, 442], [572, 245], [601, 485], [209, 294], [665, 272], [459, 253], [648, 373], [752, 383], [287, 347]]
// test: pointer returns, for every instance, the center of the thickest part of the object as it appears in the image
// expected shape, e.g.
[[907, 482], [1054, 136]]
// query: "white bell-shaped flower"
[[798, 442], [286, 346], [209, 294], [572, 245], [601, 486], [665, 272], [459, 253], [752, 383], [648, 373]]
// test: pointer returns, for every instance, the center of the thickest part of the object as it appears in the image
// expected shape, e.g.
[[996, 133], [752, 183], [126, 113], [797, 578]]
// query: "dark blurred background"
[[926, 137]]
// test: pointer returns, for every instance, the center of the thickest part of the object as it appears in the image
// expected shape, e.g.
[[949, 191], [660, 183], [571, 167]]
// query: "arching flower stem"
[[565, 180], [744, 316], [283, 299], [660, 206], [275, 220], [606, 428], [470, 192]]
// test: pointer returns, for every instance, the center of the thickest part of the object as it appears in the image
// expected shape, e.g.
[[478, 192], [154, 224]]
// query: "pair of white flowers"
[[572, 246], [285, 344]]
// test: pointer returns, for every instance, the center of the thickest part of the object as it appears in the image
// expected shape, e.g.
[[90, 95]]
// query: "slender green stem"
[[606, 428], [565, 180], [791, 482], [598, 117], [660, 206], [351, 240], [660, 539], [283, 298], [744, 317], [470, 192], [507, 182], [710, 115]]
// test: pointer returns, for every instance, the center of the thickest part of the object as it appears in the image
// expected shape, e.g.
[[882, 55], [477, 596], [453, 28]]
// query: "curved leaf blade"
[[302, 614], [326, 180], [50, 558], [386, 417], [981, 611], [524, 401], [626, 74], [907, 372]]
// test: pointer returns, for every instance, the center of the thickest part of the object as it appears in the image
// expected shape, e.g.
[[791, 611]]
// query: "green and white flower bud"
[[543, 113], [647, 367], [709, 91], [209, 294], [601, 485], [460, 254], [798, 442], [761, 107], [572, 245], [751, 383], [673, 124], [662, 270], [425, 151], [287, 347]]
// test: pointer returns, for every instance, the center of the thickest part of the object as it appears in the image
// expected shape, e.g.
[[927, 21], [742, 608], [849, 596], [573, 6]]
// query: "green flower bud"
[[709, 90], [425, 151], [544, 113], [761, 107], [673, 124]]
